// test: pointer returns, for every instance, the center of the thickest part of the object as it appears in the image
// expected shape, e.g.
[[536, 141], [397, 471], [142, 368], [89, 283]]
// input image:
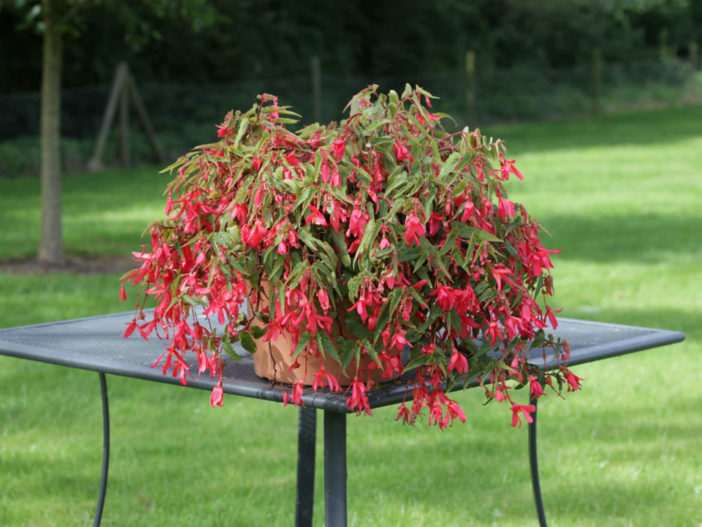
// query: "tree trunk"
[[51, 242]]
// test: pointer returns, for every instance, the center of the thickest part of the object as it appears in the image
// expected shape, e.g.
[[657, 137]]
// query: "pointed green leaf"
[[301, 345], [247, 342], [229, 350]]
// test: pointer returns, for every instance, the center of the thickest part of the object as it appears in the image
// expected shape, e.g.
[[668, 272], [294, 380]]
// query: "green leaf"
[[369, 234], [377, 141], [420, 261], [428, 207], [328, 255], [281, 299], [482, 286], [347, 353], [418, 297], [449, 242], [301, 345], [371, 351], [286, 120], [376, 124], [510, 249], [353, 286], [242, 130], [234, 262], [467, 231], [296, 275], [292, 186], [406, 254], [257, 332], [340, 242], [326, 345], [304, 199], [395, 298], [307, 238], [194, 301], [229, 350], [277, 266], [421, 360], [539, 285], [247, 342], [397, 177], [459, 189], [450, 164]]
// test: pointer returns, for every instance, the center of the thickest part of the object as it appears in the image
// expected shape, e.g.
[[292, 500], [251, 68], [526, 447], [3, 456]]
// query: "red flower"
[[297, 394], [414, 228], [217, 395], [573, 381], [405, 414], [130, 328], [323, 298], [507, 168], [253, 236], [401, 153], [339, 146], [526, 409], [458, 362], [445, 297], [322, 377], [315, 217], [505, 208], [358, 402], [223, 131], [535, 387], [357, 222]]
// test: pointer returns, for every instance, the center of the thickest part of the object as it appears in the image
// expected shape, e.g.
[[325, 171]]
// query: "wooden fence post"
[[123, 91], [124, 127], [144, 118], [117, 88], [596, 80], [316, 89], [470, 86], [692, 72]]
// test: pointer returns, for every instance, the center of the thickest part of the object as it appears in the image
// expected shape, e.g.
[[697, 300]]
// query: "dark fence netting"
[[185, 115]]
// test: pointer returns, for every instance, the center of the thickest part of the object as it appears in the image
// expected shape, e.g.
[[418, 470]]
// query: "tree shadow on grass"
[[652, 127], [644, 238], [481, 475], [688, 321]]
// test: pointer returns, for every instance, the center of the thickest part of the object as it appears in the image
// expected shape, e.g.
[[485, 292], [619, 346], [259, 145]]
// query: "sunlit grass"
[[103, 214], [620, 196]]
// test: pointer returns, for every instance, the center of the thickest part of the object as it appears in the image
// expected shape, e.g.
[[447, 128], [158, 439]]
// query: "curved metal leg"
[[534, 464], [105, 450], [306, 442]]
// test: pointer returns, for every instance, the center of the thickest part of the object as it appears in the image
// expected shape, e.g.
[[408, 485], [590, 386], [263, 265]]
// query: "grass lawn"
[[620, 195]]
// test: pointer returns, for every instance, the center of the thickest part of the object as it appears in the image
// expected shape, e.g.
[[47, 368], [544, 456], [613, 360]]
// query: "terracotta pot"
[[273, 359]]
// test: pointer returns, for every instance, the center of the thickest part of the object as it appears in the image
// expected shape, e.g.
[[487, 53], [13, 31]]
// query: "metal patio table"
[[96, 344]]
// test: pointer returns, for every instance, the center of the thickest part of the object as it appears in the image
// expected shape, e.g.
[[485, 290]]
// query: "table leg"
[[334, 469], [534, 463], [105, 450], [306, 441]]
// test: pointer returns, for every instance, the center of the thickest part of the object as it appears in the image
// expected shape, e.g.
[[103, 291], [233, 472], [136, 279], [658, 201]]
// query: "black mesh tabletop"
[[97, 344]]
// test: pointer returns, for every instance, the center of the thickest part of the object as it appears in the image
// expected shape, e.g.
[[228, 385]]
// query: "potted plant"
[[369, 247]]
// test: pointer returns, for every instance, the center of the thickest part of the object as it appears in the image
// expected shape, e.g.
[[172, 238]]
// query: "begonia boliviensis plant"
[[384, 220]]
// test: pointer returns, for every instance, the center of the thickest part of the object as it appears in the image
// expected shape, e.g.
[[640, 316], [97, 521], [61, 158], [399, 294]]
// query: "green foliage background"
[[273, 38]]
